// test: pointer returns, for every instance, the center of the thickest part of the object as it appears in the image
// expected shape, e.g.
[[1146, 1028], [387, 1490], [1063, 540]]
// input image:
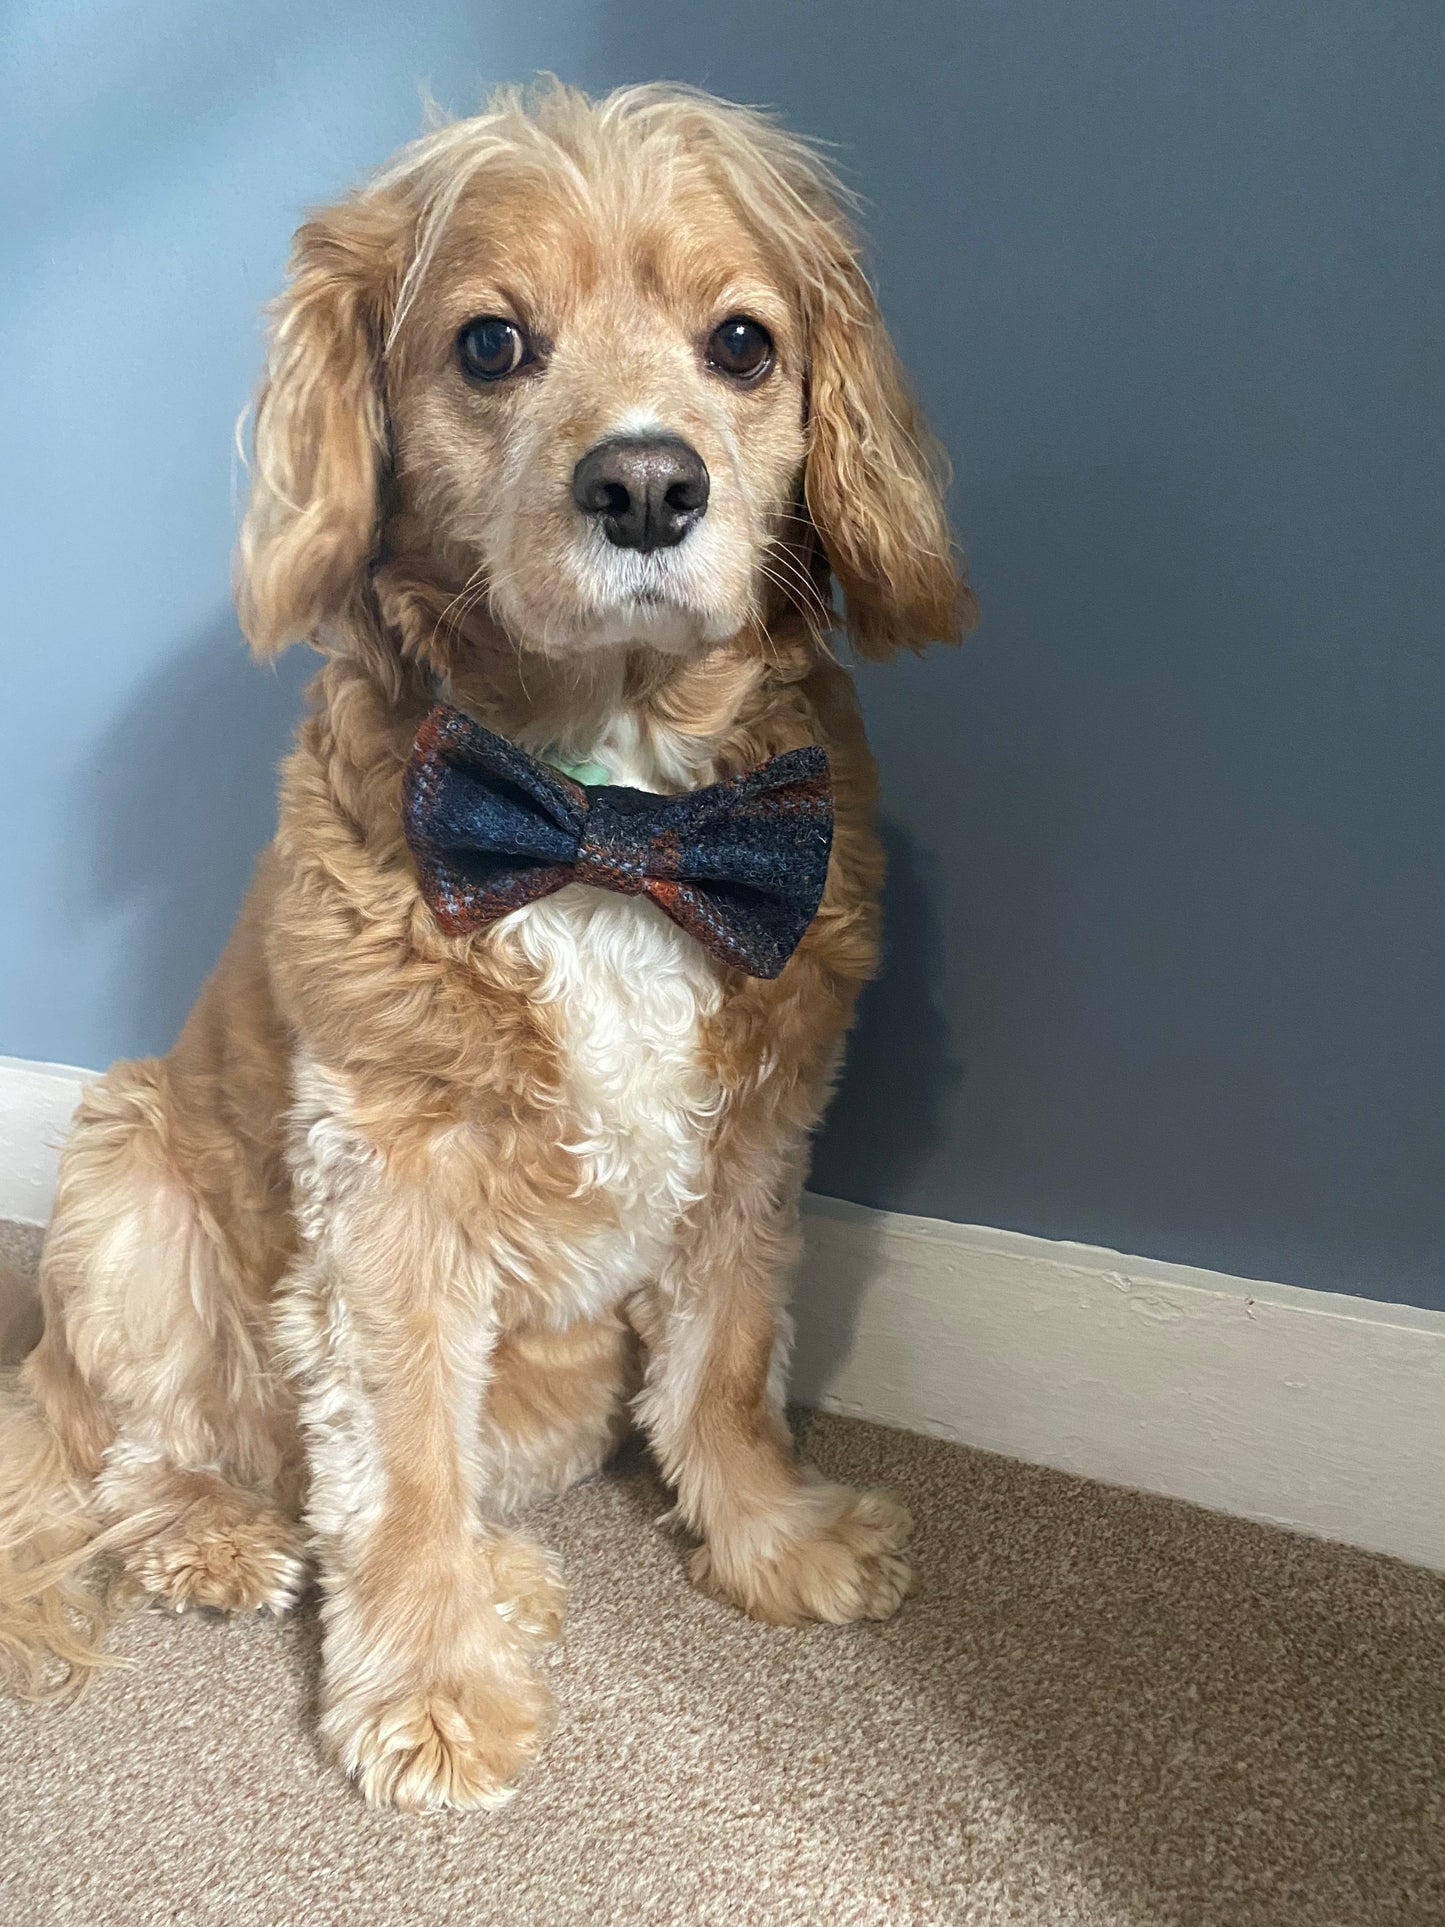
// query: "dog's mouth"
[[655, 601], [679, 602], [652, 617]]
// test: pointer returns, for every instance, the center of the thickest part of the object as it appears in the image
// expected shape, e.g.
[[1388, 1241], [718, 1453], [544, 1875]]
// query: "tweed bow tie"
[[739, 865]]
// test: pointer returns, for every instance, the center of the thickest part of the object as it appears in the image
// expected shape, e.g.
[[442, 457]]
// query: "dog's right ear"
[[319, 439]]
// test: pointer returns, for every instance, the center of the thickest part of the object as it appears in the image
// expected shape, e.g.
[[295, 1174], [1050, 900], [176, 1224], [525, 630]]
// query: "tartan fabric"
[[739, 865]]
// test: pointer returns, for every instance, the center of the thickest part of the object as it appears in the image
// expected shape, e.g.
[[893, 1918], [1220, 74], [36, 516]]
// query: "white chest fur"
[[628, 992]]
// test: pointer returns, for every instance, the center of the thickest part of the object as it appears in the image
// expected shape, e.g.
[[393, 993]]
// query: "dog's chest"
[[627, 993]]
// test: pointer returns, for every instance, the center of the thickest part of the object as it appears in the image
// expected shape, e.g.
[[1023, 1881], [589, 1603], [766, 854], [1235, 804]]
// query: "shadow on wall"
[[199, 738], [887, 1113], [886, 1116]]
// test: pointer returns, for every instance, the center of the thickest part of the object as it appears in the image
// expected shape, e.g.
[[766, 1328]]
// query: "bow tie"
[[739, 865]]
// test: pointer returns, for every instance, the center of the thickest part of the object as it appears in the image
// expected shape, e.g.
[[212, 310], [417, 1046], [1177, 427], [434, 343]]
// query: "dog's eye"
[[740, 347], [490, 348]]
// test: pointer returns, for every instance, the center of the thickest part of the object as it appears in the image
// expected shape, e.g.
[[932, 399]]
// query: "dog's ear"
[[319, 440], [875, 481]]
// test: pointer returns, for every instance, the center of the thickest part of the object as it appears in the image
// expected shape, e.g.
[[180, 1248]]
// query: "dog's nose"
[[647, 491]]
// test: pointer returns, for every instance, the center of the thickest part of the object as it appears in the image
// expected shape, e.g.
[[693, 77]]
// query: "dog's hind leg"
[[557, 1408], [193, 1538], [154, 1372]]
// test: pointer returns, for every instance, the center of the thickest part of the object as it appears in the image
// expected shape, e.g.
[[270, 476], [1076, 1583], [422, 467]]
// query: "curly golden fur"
[[406, 1226]]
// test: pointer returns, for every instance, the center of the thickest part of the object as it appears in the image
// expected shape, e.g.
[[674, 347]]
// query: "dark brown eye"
[[490, 348], [740, 347]]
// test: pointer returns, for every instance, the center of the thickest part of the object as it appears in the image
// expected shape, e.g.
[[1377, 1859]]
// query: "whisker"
[[789, 592], [789, 574]]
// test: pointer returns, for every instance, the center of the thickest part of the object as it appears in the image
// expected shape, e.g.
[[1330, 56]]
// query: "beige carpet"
[[1099, 1709]]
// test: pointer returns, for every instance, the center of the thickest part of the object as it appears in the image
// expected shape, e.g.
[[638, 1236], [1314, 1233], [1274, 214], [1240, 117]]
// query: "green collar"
[[590, 775]]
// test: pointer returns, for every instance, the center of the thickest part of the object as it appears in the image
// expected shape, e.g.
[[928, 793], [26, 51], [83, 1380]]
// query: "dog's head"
[[615, 371]]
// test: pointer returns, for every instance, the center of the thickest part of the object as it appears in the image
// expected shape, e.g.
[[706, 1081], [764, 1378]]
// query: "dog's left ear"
[[875, 482], [320, 434]]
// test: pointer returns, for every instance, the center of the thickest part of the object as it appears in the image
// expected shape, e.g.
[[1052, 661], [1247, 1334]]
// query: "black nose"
[[647, 491]]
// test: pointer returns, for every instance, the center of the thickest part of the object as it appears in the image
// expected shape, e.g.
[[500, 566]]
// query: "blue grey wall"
[[1167, 933]]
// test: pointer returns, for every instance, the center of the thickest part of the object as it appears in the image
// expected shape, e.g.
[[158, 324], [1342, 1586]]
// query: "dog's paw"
[[528, 1593], [460, 1745], [225, 1554], [848, 1563]]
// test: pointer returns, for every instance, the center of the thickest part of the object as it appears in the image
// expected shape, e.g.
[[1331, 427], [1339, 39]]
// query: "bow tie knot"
[[740, 865], [613, 851]]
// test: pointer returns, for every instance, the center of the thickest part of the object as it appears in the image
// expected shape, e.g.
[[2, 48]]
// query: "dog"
[[575, 419]]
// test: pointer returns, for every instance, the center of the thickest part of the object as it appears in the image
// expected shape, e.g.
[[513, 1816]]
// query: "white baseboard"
[[1307, 1409], [36, 1104], [1301, 1408]]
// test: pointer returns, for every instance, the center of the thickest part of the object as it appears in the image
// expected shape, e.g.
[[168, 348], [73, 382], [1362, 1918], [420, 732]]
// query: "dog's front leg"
[[430, 1615], [778, 1540]]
